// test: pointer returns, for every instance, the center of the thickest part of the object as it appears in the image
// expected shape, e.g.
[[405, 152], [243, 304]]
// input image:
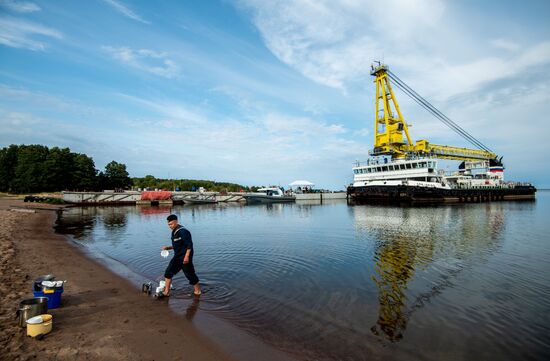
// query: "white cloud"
[[334, 43], [124, 10], [173, 115], [17, 120], [364, 132], [281, 123], [449, 79], [24, 96], [504, 44], [19, 33], [289, 145], [146, 60], [20, 6]]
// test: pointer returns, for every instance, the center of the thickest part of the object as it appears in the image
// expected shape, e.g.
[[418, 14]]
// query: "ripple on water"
[[355, 282]]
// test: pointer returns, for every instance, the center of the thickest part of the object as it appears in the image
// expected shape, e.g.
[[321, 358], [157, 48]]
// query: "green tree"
[[58, 170], [8, 163], [117, 176], [30, 170], [84, 173]]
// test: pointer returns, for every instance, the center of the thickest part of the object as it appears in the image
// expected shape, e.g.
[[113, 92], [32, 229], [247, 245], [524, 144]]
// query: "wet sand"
[[103, 316]]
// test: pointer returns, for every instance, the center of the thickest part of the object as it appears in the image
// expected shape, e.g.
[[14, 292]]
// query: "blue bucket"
[[54, 298]]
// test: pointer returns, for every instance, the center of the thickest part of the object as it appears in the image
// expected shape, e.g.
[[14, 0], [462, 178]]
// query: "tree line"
[[37, 168], [151, 182]]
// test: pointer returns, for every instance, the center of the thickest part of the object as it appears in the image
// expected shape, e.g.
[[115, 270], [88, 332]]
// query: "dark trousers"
[[176, 265]]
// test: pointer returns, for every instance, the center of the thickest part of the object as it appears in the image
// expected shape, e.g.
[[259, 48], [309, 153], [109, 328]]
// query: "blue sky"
[[267, 92]]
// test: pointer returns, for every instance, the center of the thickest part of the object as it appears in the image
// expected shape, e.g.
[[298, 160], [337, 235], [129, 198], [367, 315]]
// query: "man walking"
[[182, 244]]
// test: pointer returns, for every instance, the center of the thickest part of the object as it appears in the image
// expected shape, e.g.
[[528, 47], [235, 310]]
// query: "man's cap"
[[172, 217]]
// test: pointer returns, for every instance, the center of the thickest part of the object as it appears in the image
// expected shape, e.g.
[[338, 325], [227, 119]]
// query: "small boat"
[[268, 195]]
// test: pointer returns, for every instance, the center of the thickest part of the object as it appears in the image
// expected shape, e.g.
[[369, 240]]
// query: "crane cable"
[[434, 111]]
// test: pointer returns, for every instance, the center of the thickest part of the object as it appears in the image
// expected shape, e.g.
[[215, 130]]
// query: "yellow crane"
[[391, 134]]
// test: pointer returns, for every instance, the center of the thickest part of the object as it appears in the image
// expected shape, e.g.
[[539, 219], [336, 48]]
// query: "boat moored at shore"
[[419, 180], [268, 195], [399, 170]]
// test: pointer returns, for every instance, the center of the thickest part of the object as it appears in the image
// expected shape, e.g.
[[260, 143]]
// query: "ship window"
[[385, 168], [422, 164], [378, 169], [401, 166], [355, 171], [408, 165]]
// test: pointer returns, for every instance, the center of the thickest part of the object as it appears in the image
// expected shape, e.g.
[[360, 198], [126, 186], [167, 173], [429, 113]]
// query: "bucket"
[[39, 325], [53, 297], [31, 307]]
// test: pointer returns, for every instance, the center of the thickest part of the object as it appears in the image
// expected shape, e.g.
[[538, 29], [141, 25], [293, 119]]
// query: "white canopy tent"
[[301, 186], [301, 183]]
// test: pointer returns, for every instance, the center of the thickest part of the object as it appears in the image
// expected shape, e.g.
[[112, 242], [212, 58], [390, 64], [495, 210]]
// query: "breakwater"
[[135, 197]]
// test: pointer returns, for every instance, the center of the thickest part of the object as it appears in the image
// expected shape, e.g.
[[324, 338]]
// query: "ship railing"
[[507, 185]]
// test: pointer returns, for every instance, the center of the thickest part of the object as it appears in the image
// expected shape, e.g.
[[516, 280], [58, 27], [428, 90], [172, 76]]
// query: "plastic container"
[[38, 281], [39, 325], [54, 297]]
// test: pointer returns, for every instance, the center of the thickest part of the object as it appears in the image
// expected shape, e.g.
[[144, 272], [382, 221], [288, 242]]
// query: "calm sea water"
[[332, 281]]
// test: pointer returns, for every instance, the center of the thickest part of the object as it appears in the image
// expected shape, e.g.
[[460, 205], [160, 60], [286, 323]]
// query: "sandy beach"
[[103, 316]]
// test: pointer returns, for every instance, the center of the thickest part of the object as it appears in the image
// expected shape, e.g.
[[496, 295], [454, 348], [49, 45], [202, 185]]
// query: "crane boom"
[[453, 153], [391, 134]]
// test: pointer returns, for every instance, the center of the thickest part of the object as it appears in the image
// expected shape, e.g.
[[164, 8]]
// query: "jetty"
[[169, 197]]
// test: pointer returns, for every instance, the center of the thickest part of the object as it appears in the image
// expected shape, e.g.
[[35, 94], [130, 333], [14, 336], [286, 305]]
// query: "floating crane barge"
[[402, 171]]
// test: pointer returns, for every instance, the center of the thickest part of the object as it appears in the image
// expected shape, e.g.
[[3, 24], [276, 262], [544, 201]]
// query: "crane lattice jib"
[[389, 126], [454, 153]]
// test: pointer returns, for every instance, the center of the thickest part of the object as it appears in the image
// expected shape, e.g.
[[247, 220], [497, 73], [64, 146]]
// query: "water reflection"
[[113, 218], [147, 210], [409, 239], [351, 283], [192, 309], [77, 222]]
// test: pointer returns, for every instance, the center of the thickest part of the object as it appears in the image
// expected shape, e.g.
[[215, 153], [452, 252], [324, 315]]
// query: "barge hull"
[[409, 194]]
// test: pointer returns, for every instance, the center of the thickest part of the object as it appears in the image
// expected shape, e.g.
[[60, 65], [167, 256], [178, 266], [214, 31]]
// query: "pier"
[[135, 197]]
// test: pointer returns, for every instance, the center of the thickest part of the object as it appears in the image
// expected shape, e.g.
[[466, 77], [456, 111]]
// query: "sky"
[[267, 92]]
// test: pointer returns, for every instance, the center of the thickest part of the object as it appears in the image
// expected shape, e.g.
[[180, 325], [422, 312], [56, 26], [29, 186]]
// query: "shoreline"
[[103, 316]]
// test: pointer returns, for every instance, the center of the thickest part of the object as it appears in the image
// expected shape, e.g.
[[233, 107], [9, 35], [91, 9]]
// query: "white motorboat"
[[268, 195]]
